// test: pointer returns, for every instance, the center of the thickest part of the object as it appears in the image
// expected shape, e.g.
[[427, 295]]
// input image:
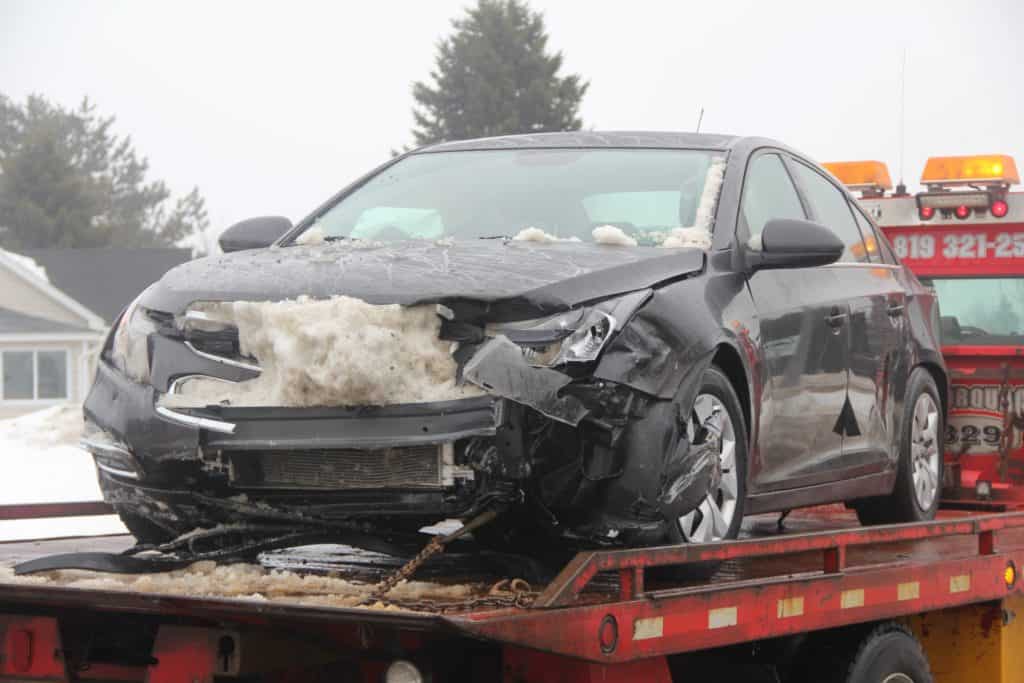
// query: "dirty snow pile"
[[246, 581], [340, 351], [42, 463], [699, 234]]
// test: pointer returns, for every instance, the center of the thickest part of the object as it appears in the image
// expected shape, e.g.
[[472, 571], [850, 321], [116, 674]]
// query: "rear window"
[[980, 311]]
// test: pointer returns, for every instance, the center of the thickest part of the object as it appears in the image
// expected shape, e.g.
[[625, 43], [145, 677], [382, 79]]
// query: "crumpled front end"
[[395, 417]]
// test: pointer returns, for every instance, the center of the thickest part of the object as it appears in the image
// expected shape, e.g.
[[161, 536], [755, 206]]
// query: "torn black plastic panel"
[[171, 359], [662, 477], [498, 367]]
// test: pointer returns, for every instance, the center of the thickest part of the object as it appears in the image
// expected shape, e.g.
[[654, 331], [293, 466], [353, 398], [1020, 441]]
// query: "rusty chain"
[[519, 591]]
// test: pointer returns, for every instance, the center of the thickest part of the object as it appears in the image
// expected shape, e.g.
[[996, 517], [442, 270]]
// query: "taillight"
[[962, 211], [926, 212], [999, 208]]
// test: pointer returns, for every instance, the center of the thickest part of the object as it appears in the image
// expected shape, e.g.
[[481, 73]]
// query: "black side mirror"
[[254, 233], [793, 243]]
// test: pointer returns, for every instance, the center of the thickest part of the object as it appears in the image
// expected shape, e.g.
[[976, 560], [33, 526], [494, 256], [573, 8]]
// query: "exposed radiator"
[[349, 468]]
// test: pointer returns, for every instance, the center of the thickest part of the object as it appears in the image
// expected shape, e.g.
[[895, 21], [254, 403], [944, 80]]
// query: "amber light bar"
[[864, 176], [984, 169]]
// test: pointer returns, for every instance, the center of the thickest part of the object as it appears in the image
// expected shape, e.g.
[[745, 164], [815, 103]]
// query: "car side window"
[[832, 210], [768, 193], [877, 247], [867, 235]]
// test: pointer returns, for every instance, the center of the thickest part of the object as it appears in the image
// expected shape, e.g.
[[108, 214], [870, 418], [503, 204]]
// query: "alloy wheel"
[[924, 450], [710, 424]]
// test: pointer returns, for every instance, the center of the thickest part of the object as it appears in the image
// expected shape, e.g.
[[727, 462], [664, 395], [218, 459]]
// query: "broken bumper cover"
[[379, 460]]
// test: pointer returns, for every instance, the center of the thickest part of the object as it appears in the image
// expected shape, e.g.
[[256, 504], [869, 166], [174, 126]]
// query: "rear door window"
[[832, 210]]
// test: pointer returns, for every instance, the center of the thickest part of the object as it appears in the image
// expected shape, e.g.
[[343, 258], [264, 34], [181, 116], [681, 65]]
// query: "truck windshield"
[[564, 192], [981, 311]]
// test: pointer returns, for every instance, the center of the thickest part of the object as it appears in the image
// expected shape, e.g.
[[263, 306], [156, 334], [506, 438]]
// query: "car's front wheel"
[[716, 422]]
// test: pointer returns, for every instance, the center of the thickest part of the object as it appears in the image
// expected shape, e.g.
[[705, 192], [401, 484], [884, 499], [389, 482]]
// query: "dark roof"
[[13, 322], [639, 139], [106, 279]]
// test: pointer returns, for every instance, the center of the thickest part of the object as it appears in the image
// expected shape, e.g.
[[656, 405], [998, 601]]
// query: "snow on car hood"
[[510, 279], [333, 352]]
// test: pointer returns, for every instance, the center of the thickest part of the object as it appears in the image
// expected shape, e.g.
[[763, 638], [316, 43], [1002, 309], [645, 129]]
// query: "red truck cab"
[[964, 236]]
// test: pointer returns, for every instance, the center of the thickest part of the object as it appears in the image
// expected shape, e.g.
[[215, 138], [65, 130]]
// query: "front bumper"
[[369, 461]]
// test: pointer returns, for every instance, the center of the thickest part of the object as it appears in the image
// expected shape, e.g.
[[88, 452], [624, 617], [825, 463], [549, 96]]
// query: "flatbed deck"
[[821, 571]]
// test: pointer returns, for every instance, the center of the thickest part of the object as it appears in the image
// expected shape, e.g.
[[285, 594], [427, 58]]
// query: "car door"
[[802, 318], [878, 361], [875, 300]]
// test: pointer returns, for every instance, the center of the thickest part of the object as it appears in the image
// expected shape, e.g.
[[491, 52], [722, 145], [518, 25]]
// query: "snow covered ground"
[[40, 462]]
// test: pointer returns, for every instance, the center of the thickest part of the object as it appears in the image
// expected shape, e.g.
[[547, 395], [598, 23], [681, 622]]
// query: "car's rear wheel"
[[915, 498]]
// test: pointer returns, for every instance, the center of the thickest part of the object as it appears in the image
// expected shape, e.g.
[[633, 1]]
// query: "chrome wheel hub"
[[710, 425], [924, 451]]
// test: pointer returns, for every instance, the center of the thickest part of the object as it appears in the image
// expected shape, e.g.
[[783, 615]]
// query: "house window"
[[35, 375]]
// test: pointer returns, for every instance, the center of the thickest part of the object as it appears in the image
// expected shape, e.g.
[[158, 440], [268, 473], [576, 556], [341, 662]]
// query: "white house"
[[56, 306]]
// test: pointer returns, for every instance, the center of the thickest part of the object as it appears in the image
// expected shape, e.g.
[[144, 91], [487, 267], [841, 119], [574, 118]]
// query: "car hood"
[[500, 279]]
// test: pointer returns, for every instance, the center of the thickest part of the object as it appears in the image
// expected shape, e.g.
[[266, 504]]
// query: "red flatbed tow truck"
[[818, 598]]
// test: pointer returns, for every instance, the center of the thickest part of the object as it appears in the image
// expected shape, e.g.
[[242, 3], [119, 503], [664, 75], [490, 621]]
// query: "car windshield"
[[981, 311], [566, 193]]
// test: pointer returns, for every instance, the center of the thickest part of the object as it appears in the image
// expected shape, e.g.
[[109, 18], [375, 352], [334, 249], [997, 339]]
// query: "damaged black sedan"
[[607, 338]]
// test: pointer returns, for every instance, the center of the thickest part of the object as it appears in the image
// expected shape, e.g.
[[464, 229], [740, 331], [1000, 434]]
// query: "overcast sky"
[[271, 107]]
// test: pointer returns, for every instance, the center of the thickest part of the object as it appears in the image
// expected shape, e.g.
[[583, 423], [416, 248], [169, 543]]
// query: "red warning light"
[[999, 208], [962, 211], [926, 213]]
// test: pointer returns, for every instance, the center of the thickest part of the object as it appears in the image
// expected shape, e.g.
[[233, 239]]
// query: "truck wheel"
[[887, 653], [915, 498]]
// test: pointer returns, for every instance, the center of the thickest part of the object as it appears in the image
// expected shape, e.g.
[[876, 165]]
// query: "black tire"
[[902, 504], [886, 652], [715, 383]]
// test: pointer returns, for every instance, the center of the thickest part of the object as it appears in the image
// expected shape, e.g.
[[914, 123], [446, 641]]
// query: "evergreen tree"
[[495, 76], [66, 180]]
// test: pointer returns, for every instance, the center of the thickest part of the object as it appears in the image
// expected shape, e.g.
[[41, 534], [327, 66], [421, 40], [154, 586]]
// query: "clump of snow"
[[340, 351], [688, 237], [445, 241], [532, 234], [42, 463], [314, 235], [699, 234], [246, 581], [610, 234], [28, 264], [709, 196]]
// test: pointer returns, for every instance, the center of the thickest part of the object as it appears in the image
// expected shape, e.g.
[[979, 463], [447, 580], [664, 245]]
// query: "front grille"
[[416, 467]]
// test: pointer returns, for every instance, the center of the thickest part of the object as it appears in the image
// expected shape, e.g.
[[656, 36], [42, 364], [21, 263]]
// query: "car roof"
[[592, 139]]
